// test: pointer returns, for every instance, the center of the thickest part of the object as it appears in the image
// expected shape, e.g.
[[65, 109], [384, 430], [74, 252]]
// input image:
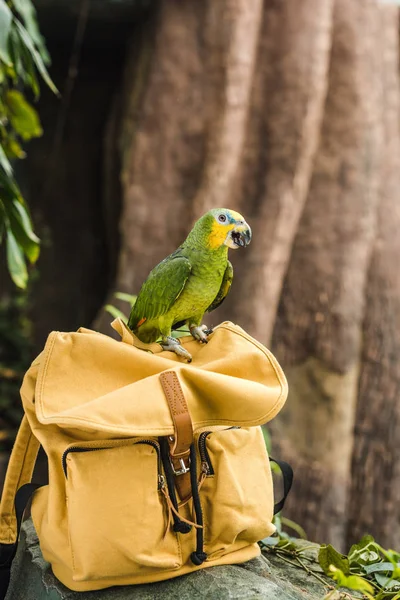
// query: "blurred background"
[[285, 110]]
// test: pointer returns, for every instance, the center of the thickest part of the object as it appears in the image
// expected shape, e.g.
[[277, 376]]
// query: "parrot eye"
[[222, 218]]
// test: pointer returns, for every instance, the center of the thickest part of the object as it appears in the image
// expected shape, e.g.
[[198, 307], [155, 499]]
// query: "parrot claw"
[[173, 345], [200, 333]]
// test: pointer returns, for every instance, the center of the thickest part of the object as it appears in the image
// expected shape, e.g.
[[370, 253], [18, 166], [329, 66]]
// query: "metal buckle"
[[184, 469]]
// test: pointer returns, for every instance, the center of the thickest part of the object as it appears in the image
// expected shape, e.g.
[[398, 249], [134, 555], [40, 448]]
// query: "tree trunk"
[[375, 489], [288, 100], [318, 334]]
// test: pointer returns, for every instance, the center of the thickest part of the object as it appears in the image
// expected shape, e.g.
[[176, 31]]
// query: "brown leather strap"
[[179, 444], [183, 438]]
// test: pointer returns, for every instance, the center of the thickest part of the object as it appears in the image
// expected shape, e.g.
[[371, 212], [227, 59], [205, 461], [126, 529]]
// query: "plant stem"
[[311, 572]]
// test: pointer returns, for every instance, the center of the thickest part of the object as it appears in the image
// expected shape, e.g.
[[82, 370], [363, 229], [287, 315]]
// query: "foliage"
[[367, 568], [298, 553], [15, 357], [23, 57], [368, 571]]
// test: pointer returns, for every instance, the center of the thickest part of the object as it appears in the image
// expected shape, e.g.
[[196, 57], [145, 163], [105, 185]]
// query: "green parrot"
[[191, 281]]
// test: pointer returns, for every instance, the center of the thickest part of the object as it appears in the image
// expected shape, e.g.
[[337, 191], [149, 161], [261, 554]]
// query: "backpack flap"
[[91, 382]]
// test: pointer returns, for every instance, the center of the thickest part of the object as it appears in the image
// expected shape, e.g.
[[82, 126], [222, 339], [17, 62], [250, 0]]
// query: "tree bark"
[[232, 32], [375, 485], [288, 101], [163, 143], [318, 333]]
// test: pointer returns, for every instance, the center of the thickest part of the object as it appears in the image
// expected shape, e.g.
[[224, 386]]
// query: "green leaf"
[[391, 555], [358, 548], [270, 541], [353, 582], [37, 59], [13, 149], [16, 54], [381, 567], [27, 12], [181, 332], [8, 188], [21, 227], [23, 117], [5, 163], [387, 582], [115, 312], [5, 26], [31, 78], [295, 526], [126, 297], [368, 557], [15, 261], [278, 523], [267, 440], [286, 544], [25, 65], [329, 557]]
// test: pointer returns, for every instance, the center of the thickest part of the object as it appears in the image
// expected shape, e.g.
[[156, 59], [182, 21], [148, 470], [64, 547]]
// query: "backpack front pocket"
[[116, 514], [236, 494]]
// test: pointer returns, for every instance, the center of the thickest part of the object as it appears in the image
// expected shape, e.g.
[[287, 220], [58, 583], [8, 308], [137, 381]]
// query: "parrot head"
[[224, 227]]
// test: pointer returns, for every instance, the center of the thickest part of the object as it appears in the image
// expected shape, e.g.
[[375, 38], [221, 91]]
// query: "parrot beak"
[[240, 235]]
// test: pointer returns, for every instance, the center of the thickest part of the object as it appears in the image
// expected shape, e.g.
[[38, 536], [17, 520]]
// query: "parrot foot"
[[173, 345], [200, 333]]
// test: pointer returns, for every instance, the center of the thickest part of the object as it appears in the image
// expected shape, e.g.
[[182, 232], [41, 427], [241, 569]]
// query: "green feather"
[[161, 289], [224, 289]]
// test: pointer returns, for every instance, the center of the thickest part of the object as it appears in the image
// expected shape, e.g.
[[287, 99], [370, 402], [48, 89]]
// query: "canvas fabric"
[[100, 409]]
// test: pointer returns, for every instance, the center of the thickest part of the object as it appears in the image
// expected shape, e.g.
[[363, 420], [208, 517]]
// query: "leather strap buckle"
[[180, 464], [183, 467]]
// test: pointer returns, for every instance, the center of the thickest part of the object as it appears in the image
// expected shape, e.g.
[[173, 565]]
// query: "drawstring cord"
[[199, 556], [172, 510]]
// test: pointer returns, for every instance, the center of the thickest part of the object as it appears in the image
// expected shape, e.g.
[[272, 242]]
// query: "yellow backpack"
[[156, 467]]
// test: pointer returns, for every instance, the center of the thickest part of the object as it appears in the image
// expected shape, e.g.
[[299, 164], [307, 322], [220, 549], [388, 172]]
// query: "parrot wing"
[[224, 289], [160, 290]]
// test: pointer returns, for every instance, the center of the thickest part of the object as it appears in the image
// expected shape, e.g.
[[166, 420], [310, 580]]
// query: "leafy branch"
[[367, 568], [368, 571], [23, 59]]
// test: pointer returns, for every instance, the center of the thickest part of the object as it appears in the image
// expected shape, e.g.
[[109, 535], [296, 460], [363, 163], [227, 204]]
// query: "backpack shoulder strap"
[[19, 472], [16, 493]]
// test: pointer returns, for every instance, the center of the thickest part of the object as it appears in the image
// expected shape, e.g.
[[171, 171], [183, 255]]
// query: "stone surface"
[[272, 578]]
